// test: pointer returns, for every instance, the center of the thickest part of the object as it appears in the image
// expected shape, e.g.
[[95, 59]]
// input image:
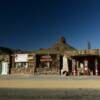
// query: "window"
[[45, 64], [21, 64]]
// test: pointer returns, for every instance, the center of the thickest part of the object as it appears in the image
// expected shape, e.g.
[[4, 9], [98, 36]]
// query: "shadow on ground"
[[49, 94]]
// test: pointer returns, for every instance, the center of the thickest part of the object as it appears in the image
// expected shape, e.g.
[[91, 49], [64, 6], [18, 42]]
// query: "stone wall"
[[53, 69], [5, 58], [24, 70]]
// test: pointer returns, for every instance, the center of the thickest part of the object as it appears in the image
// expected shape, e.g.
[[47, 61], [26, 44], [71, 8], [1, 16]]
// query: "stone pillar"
[[58, 64], [12, 68], [65, 66], [86, 70], [96, 67], [74, 69], [78, 69]]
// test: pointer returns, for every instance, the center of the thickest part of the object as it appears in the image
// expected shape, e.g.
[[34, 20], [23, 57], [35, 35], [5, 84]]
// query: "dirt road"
[[50, 84]]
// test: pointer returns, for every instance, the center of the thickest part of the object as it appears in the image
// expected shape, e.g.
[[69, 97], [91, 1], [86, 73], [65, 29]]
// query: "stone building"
[[5, 60], [47, 64], [82, 62], [4, 64], [23, 63], [59, 59]]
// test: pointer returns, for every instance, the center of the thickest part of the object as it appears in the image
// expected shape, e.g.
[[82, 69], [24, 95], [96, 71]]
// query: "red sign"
[[46, 57], [43, 60]]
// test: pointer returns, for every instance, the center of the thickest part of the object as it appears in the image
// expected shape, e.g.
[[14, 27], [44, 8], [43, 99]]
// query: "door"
[[4, 68]]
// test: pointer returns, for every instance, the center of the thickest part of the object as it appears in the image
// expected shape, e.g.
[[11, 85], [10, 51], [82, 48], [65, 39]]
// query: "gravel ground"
[[53, 81], [47, 77], [49, 94]]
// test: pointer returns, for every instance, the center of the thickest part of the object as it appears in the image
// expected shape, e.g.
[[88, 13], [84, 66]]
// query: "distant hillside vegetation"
[[4, 50]]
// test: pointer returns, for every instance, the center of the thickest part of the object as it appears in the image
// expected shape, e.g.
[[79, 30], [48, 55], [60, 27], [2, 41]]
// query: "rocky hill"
[[61, 45]]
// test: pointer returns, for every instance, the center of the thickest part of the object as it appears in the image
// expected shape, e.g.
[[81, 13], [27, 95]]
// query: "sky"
[[34, 24]]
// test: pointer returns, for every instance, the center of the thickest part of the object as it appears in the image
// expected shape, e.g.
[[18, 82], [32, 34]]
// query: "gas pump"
[[74, 70], [96, 67], [86, 71]]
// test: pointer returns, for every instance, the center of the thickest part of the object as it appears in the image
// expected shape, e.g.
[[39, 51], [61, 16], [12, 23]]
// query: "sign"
[[21, 58]]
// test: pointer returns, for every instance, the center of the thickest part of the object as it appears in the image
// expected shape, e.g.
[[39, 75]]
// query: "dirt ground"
[[94, 84], [43, 88]]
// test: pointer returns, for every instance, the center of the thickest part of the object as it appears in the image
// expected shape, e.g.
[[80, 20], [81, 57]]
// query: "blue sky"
[[34, 24]]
